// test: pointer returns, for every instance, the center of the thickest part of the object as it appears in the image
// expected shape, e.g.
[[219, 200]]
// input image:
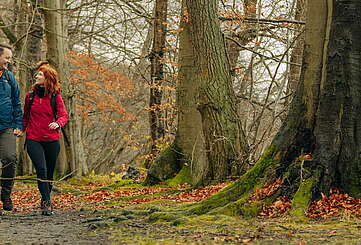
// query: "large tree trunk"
[[297, 51], [224, 139], [209, 137], [338, 151], [324, 120], [189, 145], [57, 50]]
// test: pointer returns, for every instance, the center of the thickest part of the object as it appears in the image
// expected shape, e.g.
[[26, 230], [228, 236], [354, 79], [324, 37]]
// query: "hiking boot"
[[41, 204], [46, 208], [7, 204]]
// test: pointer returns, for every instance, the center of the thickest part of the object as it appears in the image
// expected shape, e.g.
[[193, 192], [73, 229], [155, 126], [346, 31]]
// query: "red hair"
[[52, 82]]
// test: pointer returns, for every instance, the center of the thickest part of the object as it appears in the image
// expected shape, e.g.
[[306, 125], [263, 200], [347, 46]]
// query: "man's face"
[[5, 58]]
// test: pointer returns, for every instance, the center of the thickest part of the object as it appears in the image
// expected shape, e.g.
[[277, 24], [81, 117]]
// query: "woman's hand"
[[54, 125]]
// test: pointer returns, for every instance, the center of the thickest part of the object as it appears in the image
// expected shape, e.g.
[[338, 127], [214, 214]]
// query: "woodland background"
[[119, 69], [259, 100]]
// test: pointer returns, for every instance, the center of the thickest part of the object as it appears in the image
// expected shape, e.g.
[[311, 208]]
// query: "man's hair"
[[4, 46]]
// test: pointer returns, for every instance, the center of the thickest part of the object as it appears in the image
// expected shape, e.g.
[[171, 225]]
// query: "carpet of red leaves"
[[27, 198], [335, 204]]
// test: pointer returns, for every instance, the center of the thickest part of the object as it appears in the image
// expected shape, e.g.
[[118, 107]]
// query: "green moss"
[[117, 184], [163, 216], [180, 221], [250, 210], [244, 208], [165, 166], [241, 189], [125, 199], [241, 207], [183, 177], [208, 219], [303, 196], [171, 152]]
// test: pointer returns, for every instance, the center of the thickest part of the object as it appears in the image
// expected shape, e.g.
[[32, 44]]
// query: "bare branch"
[[9, 34], [265, 21]]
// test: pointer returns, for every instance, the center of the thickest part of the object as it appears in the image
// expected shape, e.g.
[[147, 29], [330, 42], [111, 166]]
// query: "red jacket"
[[36, 125]]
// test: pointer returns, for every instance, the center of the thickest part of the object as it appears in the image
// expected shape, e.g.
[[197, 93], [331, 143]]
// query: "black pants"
[[44, 154], [8, 161]]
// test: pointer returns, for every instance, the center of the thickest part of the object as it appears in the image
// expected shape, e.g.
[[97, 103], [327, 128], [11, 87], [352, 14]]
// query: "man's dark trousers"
[[8, 161]]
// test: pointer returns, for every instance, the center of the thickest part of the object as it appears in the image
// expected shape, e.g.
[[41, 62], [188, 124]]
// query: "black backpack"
[[53, 107]]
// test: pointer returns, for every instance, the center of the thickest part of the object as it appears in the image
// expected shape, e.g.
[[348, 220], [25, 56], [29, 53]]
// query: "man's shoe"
[[7, 204]]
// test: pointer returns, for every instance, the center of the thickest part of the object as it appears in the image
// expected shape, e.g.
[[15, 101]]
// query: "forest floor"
[[99, 210]]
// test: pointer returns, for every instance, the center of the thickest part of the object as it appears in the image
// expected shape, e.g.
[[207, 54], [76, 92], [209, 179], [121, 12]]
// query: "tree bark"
[[32, 46], [189, 145], [225, 143], [56, 54], [189, 135], [157, 74], [324, 120], [209, 135], [338, 150], [297, 51]]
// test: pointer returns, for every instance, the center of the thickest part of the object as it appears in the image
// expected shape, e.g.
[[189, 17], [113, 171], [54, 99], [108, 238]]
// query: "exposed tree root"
[[267, 188]]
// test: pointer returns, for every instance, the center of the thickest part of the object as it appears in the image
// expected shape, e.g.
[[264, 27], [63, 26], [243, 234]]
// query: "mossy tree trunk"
[[209, 136], [225, 144], [189, 140], [189, 137], [324, 120]]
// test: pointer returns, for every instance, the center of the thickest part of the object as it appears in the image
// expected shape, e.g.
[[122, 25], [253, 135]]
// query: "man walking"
[[10, 125]]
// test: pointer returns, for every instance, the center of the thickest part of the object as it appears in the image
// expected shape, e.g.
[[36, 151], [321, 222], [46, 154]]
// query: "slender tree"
[[157, 74]]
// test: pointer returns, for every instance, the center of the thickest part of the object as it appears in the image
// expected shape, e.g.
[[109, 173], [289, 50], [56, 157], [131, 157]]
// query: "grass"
[[234, 230]]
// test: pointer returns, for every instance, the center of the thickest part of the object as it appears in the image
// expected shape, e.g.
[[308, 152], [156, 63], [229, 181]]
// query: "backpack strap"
[[55, 112], [31, 100], [53, 105], [6, 73]]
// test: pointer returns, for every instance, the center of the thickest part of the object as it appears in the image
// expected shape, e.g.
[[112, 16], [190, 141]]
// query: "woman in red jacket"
[[42, 129]]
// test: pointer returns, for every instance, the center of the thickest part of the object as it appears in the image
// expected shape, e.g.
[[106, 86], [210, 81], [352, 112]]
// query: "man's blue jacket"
[[11, 115]]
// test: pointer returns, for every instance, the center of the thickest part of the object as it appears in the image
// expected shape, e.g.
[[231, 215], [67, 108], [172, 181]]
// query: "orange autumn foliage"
[[99, 89]]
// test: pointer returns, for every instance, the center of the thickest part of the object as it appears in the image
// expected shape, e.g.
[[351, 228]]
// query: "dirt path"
[[64, 227]]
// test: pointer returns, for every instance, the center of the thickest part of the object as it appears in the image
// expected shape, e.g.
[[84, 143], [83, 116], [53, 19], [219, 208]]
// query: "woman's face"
[[39, 77]]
